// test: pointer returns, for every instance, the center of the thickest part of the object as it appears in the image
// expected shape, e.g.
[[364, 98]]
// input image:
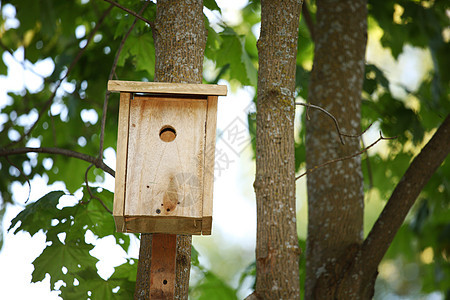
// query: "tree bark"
[[277, 251], [180, 40], [335, 194]]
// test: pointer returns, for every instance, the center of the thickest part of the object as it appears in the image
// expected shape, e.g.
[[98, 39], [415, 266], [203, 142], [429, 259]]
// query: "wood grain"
[[174, 225], [208, 187], [121, 160], [166, 88], [165, 178], [162, 273]]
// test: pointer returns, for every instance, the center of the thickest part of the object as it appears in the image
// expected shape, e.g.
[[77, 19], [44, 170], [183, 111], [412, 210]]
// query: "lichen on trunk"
[[335, 193], [277, 251]]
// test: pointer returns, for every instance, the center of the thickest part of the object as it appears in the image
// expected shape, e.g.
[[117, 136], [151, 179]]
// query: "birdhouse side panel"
[[211, 120], [121, 161], [165, 157]]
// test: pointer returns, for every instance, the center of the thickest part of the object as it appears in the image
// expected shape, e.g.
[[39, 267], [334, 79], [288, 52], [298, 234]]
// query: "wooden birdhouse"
[[165, 156]]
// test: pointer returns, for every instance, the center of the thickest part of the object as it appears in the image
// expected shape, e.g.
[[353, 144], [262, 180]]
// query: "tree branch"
[[405, 194], [345, 157], [90, 192], [59, 82], [96, 161], [152, 24]]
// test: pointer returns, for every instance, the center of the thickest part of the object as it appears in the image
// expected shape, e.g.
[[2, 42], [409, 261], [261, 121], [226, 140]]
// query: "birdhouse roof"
[[166, 88]]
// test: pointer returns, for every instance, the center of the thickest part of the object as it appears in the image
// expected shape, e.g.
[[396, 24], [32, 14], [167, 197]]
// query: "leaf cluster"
[[67, 259]]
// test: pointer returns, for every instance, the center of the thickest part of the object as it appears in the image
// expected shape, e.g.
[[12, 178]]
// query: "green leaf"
[[123, 279], [94, 287], [89, 286], [141, 49], [123, 26], [302, 81], [127, 270], [93, 216], [420, 218], [27, 11], [71, 171], [252, 73], [38, 215], [73, 255], [3, 68], [211, 5], [300, 155], [194, 257], [2, 213], [249, 272], [232, 51], [212, 287], [402, 243]]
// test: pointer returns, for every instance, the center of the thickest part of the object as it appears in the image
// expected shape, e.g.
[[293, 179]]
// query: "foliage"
[[58, 31], [66, 257], [421, 24]]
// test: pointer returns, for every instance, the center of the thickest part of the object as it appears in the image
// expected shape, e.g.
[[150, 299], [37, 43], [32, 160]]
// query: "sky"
[[234, 215]]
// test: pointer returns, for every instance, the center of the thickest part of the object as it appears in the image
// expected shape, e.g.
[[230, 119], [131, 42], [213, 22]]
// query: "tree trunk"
[[335, 193], [180, 40], [277, 251]]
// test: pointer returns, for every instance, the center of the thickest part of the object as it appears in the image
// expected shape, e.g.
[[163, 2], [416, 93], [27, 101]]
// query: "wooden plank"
[[169, 225], [208, 187], [165, 179], [162, 273], [166, 88], [207, 225], [121, 161], [120, 223]]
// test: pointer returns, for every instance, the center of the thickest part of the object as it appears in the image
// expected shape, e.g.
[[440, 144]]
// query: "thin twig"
[[90, 192], [23, 174], [345, 157], [111, 74], [96, 161], [122, 43], [102, 130], [48, 103], [152, 25], [340, 133]]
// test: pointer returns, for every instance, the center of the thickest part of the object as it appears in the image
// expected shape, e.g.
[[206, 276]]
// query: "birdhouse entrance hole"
[[167, 133]]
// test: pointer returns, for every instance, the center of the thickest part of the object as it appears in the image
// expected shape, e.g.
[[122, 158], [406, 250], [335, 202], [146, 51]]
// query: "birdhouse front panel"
[[165, 157]]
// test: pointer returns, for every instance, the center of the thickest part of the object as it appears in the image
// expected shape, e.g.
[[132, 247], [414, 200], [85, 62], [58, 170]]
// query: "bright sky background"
[[234, 218]]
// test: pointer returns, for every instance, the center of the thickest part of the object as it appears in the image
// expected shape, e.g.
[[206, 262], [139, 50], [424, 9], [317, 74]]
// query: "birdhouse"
[[165, 157]]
